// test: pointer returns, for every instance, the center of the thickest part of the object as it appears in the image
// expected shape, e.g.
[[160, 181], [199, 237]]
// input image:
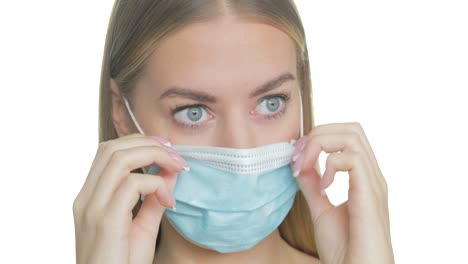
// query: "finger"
[[309, 183], [127, 195], [330, 143], [96, 168], [363, 203], [313, 145], [122, 163], [346, 161], [376, 177], [150, 213], [354, 127], [362, 194], [151, 210], [328, 176], [103, 156], [105, 144], [135, 184]]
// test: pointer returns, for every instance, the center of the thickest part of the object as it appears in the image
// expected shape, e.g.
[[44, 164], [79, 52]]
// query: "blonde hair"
[[134, 31]]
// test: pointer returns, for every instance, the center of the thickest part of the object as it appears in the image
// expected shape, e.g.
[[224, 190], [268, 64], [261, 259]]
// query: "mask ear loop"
[[153, 169], [302, 117], [132, 116], [301, 130]]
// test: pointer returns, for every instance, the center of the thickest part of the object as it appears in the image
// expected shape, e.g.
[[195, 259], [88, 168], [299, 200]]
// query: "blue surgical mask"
[[231, 198]]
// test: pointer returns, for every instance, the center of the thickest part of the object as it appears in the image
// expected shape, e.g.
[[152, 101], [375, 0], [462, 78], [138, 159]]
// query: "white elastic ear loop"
[[132, 116], [302, 118], [134, 122]]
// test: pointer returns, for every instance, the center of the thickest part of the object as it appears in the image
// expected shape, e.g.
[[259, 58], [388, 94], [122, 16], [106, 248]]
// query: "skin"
[[228, 60]]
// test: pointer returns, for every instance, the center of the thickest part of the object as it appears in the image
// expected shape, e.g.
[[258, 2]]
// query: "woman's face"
[[220, 83]]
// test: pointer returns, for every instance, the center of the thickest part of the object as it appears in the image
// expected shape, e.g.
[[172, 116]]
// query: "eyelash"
[[285, 97]]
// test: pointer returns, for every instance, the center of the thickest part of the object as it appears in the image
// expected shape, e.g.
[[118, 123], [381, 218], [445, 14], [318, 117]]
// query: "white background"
[[400, 68]]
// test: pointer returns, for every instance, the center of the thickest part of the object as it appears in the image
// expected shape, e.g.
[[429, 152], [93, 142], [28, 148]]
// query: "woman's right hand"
[[104, 229]]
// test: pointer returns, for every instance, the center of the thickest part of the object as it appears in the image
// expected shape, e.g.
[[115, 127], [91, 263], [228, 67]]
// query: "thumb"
[[309, 183], [150, 214], [151, 210]]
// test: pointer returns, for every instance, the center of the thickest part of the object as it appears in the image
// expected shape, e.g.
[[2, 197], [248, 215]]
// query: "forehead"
[[222, 55]]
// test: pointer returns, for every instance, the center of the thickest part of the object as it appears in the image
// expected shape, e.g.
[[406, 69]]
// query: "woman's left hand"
[[358, 230]]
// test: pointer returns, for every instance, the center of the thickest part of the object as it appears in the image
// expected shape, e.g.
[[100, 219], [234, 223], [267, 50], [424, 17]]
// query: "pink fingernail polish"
[[296, 156], [297, 166], [299, 146], [173, 204], [162, 140], [179, 159]]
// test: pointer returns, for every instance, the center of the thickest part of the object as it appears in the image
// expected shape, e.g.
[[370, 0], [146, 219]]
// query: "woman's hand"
[[358, 230], [104, 229]]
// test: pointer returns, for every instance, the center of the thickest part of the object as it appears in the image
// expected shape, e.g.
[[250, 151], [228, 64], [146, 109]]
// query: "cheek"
[[293, 121], [285, 128], [292, 126], [158, 124]]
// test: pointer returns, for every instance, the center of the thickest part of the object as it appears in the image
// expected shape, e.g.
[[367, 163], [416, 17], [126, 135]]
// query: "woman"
[[230, 74]]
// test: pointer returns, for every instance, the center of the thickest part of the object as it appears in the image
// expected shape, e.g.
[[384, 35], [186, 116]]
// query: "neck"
[[174, 248]]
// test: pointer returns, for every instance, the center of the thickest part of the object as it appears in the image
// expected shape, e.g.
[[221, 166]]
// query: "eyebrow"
[[206, 97]]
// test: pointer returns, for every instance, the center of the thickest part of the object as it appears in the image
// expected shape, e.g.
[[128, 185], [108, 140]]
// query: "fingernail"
[[297, 165], [299, 146], [179, 159], [296, 156], [173, 204], [175, 155], [162, 140], [296, 173]]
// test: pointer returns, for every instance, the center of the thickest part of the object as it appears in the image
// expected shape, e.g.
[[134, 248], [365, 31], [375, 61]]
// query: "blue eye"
[[194, 116], [269, 105], [191, 115]]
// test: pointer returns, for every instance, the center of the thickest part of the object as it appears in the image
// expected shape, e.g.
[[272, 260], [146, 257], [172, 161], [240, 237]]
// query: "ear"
[[119, 113]]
